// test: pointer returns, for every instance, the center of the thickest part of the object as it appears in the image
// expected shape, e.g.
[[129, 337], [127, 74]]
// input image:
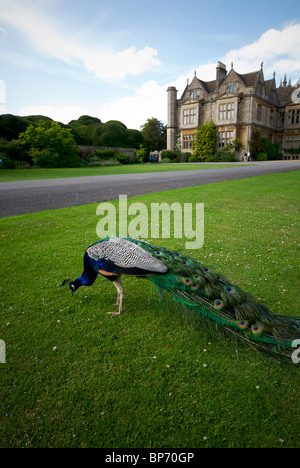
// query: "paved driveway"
[[38, 195]]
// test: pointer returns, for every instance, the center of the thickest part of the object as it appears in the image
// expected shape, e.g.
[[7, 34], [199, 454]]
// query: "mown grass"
[[10, 175], [155, 377]]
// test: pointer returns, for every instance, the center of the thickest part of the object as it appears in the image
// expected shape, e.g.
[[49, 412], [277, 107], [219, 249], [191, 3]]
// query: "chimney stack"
[[221, 73]]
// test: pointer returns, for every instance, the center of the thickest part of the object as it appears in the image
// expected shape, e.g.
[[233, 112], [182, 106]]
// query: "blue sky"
[[115, 59]]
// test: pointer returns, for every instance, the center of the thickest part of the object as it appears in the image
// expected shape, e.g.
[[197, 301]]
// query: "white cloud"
[[112, 66], [278, 49], [63, 114], [2, 91], [148, 101], [206, 72], [47, 38]]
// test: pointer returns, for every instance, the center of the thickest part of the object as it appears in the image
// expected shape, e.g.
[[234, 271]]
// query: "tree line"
[[39, 141], [42, 142]]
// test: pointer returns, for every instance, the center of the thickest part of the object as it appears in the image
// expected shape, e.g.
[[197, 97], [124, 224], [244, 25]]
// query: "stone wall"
[[130, 152]]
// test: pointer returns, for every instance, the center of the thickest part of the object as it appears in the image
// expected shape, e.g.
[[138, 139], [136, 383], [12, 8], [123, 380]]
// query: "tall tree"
[[205, 143], [50, 145], [155, 133]]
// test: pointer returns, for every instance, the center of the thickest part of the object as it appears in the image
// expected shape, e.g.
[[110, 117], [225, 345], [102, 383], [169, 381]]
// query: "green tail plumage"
[[196, 286], [193, 285]]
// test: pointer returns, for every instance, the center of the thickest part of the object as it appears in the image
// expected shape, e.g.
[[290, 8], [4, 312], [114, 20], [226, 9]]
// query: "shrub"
[[104, 155], [261, 157], [103, 163], [14, 151], [192, 159], [44, 157], [270, 149], [50, 145], [109, 155], [205, 142], [165, 160], [167, 154], [222, 156], [123, 158], [184, 157], [6, 162]]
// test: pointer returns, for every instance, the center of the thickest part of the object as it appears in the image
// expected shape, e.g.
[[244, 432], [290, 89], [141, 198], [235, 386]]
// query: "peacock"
[[192, 284]]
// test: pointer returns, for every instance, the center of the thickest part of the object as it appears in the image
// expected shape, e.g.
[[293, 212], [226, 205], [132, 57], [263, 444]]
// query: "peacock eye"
[[218, 304], [256, 329], [243, 324]]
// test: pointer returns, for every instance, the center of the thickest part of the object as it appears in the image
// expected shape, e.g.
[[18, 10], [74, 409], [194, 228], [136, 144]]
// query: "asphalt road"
[[24, 197]]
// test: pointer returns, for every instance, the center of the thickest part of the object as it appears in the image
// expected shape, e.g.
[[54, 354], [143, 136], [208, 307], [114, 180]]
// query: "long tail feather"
[[197, 287]]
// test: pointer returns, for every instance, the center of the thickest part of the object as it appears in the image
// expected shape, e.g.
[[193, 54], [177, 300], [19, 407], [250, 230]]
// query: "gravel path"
[[24, 197]]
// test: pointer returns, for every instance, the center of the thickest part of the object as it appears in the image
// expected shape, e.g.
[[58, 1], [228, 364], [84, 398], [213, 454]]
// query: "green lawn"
[[154, 377], [10, 175]]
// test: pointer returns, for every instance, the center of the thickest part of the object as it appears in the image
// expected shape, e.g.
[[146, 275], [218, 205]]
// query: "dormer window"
[[195, 94], [231, 88]]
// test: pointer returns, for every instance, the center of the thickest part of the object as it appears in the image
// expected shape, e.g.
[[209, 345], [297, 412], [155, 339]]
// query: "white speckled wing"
[[125, 254]]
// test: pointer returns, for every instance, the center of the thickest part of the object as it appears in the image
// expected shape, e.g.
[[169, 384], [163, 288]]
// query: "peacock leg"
[[119, 286]]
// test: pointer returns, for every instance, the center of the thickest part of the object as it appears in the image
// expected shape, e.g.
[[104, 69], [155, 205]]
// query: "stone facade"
[[242, 106]]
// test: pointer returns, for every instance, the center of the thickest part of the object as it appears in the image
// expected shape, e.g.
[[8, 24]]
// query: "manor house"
[[242, 106]]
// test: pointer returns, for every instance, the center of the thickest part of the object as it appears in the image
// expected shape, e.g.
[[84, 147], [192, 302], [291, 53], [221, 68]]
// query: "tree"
[[14, 151], [254, 144], [50, 145], [235, 146], [205, 143], [142, 154], [270, 149], [263, 148], [11, 126], [154, 132]]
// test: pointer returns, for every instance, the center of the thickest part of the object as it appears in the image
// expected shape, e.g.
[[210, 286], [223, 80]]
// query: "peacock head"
[[73, 285]]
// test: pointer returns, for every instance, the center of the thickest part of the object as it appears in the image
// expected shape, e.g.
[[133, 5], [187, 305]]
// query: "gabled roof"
[[211, 86], [247, 79], [268, 85], [284, 94], [195, 84], [250, 79]]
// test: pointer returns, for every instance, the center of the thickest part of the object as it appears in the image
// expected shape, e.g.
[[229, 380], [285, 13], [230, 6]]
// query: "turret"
[[172, 118]]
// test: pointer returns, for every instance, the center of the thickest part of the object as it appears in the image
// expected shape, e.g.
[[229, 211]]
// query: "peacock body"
[[192, 284]]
